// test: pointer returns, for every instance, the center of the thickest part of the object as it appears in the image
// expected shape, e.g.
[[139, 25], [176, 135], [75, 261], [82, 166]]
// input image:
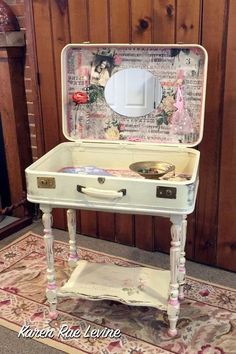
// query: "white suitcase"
[[123, 105]]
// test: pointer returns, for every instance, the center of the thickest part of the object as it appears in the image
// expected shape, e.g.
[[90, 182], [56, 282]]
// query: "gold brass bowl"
[[152, 169]]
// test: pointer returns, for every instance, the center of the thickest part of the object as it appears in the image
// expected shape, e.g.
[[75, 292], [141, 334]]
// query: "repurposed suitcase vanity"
[[133, 114]]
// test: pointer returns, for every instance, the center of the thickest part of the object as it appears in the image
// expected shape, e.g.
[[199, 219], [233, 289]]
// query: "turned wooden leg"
[[71, 223], [173, 301], [182, 260], [51, 291]]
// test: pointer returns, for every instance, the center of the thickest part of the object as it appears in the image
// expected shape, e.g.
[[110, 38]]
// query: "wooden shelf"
[[135, 286]]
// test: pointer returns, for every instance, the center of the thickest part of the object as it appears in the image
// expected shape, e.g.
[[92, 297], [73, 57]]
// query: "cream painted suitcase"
[[124, 104]]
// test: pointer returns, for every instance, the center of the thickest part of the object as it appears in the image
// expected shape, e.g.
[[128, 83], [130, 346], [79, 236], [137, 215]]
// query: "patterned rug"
[[207, 321]]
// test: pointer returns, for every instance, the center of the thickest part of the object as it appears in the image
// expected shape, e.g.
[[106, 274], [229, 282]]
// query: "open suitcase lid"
[[134, 93]]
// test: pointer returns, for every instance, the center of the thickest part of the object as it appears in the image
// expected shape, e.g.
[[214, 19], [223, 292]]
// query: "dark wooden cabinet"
[[14, 127], [212, 227]]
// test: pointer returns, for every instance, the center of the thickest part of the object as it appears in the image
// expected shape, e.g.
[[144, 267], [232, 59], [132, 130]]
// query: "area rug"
[[207, 321]]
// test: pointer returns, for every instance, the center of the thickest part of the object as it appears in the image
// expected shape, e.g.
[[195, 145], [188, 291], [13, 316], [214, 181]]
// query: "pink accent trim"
[[47, 231], [173, 302], [73, 256], [182, 269], [172, 332], [51, 286], [53, 315]]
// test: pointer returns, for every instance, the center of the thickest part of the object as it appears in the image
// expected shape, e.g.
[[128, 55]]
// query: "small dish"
[[152, 169]]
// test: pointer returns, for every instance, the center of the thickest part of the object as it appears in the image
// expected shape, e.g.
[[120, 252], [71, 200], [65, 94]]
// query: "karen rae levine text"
[[65, 332]]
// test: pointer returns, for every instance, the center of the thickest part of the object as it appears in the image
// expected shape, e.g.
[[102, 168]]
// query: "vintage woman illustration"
[[100, 73], [101, 69]]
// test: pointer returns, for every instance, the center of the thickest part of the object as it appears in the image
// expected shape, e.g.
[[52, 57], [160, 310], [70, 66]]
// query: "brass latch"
[[166, 192], [46, 182]]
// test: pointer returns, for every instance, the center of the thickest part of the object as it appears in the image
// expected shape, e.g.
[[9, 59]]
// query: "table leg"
[[51, 291], [71, 223], [173, 301], [182, 260]]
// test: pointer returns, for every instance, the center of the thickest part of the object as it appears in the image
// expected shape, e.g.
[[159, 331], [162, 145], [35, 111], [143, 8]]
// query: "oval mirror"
[[133, 92]]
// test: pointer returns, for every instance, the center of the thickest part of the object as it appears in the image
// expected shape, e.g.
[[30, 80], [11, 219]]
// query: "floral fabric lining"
[[93, 170]]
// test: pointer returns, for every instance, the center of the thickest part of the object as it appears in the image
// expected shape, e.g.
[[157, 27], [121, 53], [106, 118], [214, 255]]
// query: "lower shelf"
[[136, 286]]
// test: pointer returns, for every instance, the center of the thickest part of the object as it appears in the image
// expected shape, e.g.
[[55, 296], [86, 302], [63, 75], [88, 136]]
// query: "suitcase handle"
[[101, 193]]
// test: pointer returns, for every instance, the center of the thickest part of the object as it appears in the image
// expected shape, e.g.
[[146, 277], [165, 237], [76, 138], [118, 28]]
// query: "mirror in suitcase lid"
[[133, 94]]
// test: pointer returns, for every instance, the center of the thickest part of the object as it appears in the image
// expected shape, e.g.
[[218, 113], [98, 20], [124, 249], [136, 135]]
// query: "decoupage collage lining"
[[175, 120]]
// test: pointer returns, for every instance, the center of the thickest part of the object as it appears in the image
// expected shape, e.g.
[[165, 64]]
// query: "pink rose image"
[[80, 97]]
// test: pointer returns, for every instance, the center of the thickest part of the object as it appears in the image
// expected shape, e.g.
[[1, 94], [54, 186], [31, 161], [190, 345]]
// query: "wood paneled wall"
[[212, 228]]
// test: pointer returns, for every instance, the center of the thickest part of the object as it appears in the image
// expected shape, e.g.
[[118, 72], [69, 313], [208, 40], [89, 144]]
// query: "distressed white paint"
[[71, 223]]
